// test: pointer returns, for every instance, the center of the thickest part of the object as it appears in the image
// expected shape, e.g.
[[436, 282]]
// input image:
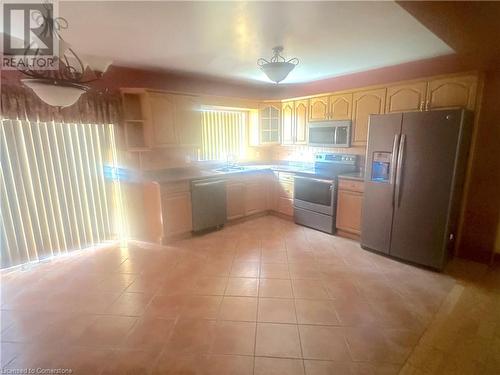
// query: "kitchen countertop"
[[188, 174]]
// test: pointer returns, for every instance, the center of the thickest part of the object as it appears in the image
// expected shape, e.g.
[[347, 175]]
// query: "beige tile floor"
[[262, 297]]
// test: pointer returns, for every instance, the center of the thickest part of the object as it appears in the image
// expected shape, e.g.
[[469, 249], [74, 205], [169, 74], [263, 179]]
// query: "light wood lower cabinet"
[[255, 197], [235, 202], [248, 195], [349, 205], [284, 193], [285, 206], [133, 201], [176, 212], [152, 221]]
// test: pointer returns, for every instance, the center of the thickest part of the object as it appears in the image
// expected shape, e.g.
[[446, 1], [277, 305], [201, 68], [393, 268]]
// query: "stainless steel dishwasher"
[[208, 200]]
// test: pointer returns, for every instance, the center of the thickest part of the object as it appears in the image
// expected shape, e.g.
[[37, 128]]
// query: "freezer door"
[[383, 142], [426, 165]]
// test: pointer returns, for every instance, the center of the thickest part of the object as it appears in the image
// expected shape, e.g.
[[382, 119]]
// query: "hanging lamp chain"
[[68, 72], [277, 57]]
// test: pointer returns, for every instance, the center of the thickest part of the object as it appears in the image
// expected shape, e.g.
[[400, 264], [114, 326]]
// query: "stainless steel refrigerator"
[[414, 176]]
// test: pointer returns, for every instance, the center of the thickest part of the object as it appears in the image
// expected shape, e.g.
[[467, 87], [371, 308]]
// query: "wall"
[[482, 205], [401, 72], [497, 242], [117, 77]]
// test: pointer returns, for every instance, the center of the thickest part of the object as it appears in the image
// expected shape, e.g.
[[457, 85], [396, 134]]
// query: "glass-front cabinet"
[[269, 121]]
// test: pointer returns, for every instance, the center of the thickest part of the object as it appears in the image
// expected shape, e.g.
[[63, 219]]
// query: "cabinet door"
[[341, 107], [285, 206], [162, 107], [301, 122], [269, 120], [409, 97], [152, 212], [285, 189], [287, 120], [235, 200], [365, 103], [452, 92], [188, 120], [177, 214], [318, 109], [349, 204], [255, 197], [133, 197]]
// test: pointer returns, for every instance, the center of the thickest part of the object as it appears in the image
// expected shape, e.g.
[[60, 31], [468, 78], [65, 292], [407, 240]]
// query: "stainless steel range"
[[315, 197]]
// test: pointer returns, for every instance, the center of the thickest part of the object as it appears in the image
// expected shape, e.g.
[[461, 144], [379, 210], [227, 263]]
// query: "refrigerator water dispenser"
[[381, 166]]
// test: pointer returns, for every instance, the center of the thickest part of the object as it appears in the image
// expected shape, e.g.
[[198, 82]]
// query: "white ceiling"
[[225, 39]]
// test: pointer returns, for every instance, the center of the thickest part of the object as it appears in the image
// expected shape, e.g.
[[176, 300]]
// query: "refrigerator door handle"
[[399, 169], [395, 145]]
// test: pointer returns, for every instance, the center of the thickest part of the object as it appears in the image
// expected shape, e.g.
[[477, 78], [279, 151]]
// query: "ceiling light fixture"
[[277, 68], [61, 87]]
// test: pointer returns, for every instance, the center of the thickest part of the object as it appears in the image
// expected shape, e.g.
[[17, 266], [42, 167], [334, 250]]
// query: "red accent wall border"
[[118, 76]]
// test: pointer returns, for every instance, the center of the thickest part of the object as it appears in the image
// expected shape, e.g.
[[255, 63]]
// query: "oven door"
[[314, 194]]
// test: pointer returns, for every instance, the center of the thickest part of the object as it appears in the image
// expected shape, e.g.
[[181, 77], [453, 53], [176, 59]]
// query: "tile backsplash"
[[306, 153]]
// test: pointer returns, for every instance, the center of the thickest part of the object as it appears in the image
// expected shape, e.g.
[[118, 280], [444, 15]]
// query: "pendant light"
[[277, 68], [64, 86]]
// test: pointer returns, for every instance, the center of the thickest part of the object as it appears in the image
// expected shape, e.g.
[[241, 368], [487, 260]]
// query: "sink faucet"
[[231, 160]]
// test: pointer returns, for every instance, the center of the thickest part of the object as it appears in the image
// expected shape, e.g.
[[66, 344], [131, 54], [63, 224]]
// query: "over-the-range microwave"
[[335, 133]]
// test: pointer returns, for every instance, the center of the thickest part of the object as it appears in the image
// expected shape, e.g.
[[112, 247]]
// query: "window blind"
[[54, 198], [224, 135]]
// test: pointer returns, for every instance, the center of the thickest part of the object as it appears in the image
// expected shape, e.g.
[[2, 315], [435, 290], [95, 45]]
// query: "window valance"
[[21, 103]]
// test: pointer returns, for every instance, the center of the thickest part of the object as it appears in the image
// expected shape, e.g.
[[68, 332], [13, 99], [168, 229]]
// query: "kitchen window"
[[224, 135]]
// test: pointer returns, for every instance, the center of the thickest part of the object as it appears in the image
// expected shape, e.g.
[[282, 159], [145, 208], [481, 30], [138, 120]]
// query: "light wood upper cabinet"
[[318, 108], [301, 122], [137, 130], [235, 199], [177, 214], [452, 92], [340, 107], [188, 120], [162, 107], [287, 120], [365, 103], [269, 123], [407, 97]]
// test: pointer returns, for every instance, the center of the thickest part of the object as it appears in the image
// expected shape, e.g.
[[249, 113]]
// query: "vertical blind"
[[224, 135], [54, 198]]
